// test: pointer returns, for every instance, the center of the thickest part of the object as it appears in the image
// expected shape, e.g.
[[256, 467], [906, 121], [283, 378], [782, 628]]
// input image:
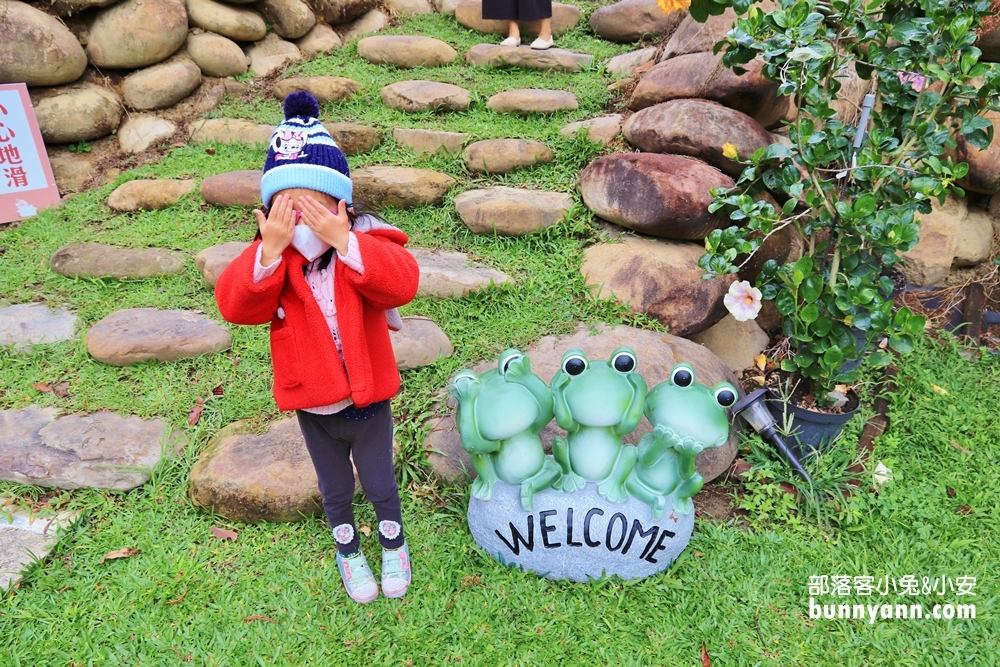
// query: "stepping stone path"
[[626, 63], [470, 14], [601, 130], [420, 342], [660, 195], [512, 211], [149, 194], [406, 51], [271, 54], [131, 336], [560, 60], [235, 188], [697, 128], [402, 187], [656, 353], [35, 323], [323, 88], [530, 100], [451, 274], [141, 131], [211, 262], [102, 450], [498, 156], [631, 20], [96, 260], [354, 138], [430, 141], [416, 96], [660, 278], [230, 130], [26, 537]]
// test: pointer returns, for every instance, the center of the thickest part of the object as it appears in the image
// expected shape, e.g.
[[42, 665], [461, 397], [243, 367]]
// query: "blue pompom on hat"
[[302, 154]]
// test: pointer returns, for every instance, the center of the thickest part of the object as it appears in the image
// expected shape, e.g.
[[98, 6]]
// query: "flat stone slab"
[[235, 188], [531, 100], [560, 60], [402, 187], [512, 211], [406, 51], [212, 261], [130, 336], [420, 342], [416, 96], [452, 274], [430, 141], [323, 88], [149, 194], [96, 260], [601, 130], [102, 450], [354, 138], [626, 63], [578, 536], [140, 131], [25, 324], [26, 537], [230, 130], [498, 156]]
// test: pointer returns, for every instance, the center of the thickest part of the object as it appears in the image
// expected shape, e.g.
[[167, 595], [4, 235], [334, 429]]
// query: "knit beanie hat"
[[302, 154]]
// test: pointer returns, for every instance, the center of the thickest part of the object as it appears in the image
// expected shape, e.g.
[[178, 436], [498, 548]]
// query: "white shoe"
[[511, 41], [542, 44]]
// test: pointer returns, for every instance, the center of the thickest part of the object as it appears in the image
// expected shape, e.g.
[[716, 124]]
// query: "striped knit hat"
[[302, 154]]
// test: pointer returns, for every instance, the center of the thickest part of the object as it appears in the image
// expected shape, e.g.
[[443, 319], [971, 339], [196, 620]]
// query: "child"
[[328, 281]]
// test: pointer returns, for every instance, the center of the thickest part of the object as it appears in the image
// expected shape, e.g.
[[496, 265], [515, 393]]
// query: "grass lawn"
[[274, 597]]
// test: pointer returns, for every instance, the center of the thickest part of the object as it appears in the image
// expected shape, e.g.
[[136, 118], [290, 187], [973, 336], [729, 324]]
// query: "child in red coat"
[[329, 280]]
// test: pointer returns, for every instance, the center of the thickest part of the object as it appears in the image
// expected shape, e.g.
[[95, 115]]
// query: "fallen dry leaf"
[[960, 448], [943, 392], [195, 413], [210, 151], [698, 554], [760, 380], [218, 391], [705, 660], [61, 389], [224, 534], [963, 509], [365, 530], [180, 599], [179, 144], [884, 343], [950, 492], [127, 552], [760, 361], [41, 386], [259, 618]]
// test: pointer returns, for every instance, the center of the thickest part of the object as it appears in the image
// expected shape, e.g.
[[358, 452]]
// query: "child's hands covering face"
[[276, 229], [333, 228]]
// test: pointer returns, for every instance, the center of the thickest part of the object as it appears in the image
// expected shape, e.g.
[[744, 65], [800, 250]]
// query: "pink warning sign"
[[26, 181]]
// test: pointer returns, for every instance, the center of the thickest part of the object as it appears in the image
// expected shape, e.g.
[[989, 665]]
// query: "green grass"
[[740, 588]]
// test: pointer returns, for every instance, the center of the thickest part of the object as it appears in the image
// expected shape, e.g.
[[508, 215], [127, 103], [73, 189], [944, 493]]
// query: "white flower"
[[743, 301]]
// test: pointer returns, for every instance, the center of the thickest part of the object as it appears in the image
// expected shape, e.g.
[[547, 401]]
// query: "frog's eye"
[[574, 365], [512, 358], [623, 362], [725, 396], [682, 377]]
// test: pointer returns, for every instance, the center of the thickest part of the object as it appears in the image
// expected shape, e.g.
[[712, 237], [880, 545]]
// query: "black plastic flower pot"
[[810, 431]]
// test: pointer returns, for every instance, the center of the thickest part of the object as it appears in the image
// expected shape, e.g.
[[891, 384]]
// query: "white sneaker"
[[511, 41], [542, 44]]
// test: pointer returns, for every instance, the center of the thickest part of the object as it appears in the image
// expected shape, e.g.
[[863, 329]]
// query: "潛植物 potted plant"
[[855, 197]]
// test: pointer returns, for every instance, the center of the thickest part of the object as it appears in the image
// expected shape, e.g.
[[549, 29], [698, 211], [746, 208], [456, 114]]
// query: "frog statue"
[[687, 418], [499, 417], [597, 402]]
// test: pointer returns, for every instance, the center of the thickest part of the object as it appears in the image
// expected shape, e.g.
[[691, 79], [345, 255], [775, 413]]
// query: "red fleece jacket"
[[308, 371]]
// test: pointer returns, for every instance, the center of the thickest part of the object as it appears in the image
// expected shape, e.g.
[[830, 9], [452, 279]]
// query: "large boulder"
[[690, 36], [659, 195], [402, 187], [698, 128], [984, 165], [366, 24], [291, 19], [498, 156], [660, 278], [37, 49], [627, 63], [406, 51], [149, 194], [470, 14], [323, 88], [512, 211], [416, 96], [951, 235], [656, 355], [161, 86], [525, 101], [130, 336], [336, 12], [236, 23], [631, 20], [77, 112], [137, 33], [737, 344], [216, 55]]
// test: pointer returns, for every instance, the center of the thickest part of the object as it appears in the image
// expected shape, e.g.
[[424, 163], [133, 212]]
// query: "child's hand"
[[276, 229], [329, 227]]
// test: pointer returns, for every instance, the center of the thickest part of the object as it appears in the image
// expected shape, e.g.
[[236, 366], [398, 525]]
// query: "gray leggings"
[[332, 440]]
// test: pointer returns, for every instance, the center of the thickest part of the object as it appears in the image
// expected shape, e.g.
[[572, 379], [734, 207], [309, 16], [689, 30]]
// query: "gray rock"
[[78, 112], [530, 100], [406, 51], [415, 96], [131, 336], [410, 7], [271, 54], [371, 22], [950, 235], [498, 156], [212, 261], [737, 344], [336, 12], [290, 19], [430, 141], [626, 63], [631, 20], [162, 85], [320, 39], [154, 30], [27, 537], [402, 187], [149, 195], [577, 536], [469, 13], [216, 55], [102, 450], [37, 49], [140, 131], [452, 274], [353, 138], [96, 260], [559, 60], [235, 188], [446, 7], [420, 342], [230, 130], [512, 211], [35, 323], [236, 23], [601, 130], [323, 88]]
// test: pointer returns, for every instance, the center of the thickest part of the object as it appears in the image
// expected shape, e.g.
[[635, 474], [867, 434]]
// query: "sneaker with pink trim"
[[396, 571], [358, 578]]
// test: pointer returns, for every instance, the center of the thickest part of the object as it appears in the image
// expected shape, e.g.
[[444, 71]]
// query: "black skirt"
[[517, 10]]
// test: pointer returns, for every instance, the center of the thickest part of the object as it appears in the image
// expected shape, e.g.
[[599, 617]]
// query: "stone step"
[[403, 187], [212, 261], [512, 211], [27, 537], [420, 342], [97, 260], [25, 324], [451, 274], [149, 194], [131, 336], [430, 141], [234, 188], [406, 51], [499, 156], [230, 130], [632, 20], [469, 13], [601, 130], [559, 60], [323, 88], [525, 101], [416, 96], [140, 131]]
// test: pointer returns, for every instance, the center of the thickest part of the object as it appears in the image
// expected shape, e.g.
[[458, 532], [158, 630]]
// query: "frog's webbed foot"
[[613, 488], [683, 505], [482, 488], [570, 482], [482, 485], [613, 491]]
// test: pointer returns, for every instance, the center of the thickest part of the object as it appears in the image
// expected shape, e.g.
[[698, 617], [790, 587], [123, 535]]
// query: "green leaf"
[[811, 288], [879, 359], [785, 303], [902, 344], [789, 366], [864, 205], [802, 268], [809, 314]]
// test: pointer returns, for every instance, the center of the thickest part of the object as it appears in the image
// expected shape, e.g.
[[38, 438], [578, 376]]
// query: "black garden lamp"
[[753, 410]]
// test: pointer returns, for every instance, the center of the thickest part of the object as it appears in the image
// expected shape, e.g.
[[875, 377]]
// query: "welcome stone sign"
[[596, 506]]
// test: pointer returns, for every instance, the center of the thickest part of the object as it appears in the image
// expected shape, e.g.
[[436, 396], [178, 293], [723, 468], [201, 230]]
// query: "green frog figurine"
[[687, 418], [597, 402], [499, 417]]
